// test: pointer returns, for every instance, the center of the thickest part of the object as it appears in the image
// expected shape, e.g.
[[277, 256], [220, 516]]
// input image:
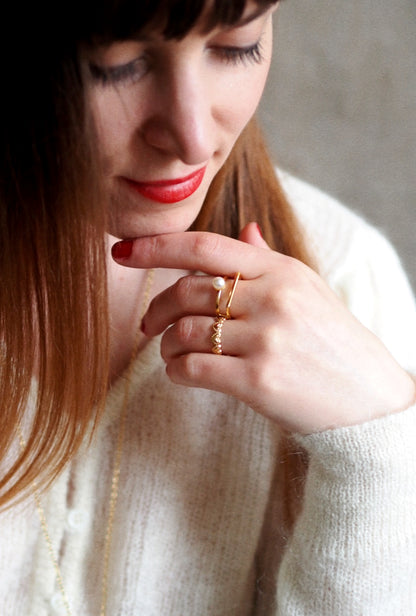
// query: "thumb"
[[251, 234]]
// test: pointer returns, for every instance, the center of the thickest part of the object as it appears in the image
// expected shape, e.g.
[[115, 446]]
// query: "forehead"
[[124, 19]]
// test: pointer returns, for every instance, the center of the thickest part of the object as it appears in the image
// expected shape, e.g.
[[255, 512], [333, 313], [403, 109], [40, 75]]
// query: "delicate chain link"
[[46, 534], [115, 476]]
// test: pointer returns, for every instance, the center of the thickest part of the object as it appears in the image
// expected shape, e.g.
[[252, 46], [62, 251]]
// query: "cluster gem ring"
[[216, 335]]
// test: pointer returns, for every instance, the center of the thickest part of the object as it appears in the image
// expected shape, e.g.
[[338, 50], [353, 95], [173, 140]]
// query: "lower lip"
[[169, 191]]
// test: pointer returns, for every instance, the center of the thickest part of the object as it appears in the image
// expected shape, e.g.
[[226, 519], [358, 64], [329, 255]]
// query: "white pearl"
[[218, 283]]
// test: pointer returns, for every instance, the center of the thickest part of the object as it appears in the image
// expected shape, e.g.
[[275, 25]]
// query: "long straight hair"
[[53, 324], [53, 295]]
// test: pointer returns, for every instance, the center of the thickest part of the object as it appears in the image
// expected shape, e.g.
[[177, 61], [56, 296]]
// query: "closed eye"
[[130, 72], [241, 55]]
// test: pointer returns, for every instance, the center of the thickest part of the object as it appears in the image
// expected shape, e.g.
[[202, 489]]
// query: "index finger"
[[193, 250]]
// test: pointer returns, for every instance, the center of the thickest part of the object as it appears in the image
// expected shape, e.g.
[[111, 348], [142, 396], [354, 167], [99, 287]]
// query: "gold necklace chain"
[[114, 480], [119, 448]]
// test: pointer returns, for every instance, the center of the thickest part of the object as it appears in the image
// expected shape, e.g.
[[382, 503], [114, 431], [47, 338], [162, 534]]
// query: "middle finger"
[[191, 295]]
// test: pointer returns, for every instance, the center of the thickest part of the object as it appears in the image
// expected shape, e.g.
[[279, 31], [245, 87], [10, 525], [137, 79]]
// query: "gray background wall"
[[340, 107]]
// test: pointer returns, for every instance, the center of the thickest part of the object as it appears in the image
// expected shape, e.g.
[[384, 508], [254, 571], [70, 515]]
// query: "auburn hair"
[[54, 347]]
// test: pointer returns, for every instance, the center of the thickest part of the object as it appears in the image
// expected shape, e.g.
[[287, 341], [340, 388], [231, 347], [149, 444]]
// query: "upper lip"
[[168, 182]]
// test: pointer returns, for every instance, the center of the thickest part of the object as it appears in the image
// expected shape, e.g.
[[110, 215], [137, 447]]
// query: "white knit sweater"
[[198, 529]]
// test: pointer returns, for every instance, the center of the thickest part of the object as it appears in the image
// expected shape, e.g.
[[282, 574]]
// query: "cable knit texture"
[[199, 527]]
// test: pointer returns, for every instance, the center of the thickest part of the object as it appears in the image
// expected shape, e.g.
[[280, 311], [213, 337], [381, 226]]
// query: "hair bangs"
[[118, 20]]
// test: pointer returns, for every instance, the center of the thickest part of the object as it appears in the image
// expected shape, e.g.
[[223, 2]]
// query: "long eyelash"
[[236, 55], [132, 70], [115, 74]]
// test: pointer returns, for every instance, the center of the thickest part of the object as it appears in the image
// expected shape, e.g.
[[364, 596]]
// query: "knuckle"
[[185, 330], [268, 340], [288, 291], [183, 292], [296, 276], [262, 377], [190, 368], [206, 244], [150, 249], [266, 364], [271, 302], [291, 265], [178, 338]]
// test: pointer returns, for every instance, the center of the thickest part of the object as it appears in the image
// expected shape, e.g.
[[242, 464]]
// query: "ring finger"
[[193, 334]]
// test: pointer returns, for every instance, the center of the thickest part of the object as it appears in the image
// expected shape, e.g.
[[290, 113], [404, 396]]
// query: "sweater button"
[[58, 604], [76, 520]]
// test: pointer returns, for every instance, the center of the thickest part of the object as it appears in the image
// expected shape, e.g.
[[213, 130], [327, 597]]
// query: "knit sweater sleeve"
[[353, 548], [353, 551]]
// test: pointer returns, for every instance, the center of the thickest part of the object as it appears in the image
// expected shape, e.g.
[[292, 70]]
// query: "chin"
[[130, 229], [137, 217]]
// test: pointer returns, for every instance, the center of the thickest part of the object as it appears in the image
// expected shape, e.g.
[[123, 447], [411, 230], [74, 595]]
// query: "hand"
[[292, 351]]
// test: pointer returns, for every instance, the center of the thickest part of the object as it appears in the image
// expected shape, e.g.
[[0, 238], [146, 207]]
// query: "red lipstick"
[[169, 191]]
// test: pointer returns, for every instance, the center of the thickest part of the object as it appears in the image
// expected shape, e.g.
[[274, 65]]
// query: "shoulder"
[[337, 236], [360, 265]]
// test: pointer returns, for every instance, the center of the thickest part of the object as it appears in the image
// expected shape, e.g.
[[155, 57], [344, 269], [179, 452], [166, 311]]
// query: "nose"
[[182, 119]]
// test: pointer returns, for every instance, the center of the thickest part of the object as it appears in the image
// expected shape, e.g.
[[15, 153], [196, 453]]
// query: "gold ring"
[[219, 285], [231, 295], [216, 335]]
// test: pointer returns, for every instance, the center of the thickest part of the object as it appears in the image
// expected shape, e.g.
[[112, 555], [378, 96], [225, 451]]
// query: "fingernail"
[[122, 250], [259, 230], [143, 328]]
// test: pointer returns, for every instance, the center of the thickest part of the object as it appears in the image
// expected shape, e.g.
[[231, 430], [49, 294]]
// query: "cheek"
[[115, 124], [242, 96], [241, 101]]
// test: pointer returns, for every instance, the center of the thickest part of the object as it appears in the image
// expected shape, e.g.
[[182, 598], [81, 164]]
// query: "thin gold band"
[[227, 314], [231, 295]]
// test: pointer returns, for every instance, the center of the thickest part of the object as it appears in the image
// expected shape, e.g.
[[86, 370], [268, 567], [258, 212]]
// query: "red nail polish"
[[122, 250], [259, 230]]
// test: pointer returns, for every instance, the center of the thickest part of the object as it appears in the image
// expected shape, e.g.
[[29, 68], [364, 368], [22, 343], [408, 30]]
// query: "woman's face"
[[168, 114]]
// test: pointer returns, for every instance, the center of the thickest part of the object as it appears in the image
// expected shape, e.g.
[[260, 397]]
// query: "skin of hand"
[[292, 351]]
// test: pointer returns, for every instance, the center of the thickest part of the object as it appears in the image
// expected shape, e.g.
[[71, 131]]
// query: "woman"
[[181, 491]]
